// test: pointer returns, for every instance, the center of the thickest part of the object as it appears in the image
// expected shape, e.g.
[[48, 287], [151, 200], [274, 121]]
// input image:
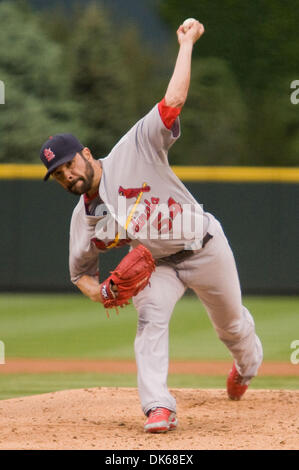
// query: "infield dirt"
[[111, 419], [211, 368]]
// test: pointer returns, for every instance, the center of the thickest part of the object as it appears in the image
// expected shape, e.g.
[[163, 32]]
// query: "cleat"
[[160, 420], [235, 385]]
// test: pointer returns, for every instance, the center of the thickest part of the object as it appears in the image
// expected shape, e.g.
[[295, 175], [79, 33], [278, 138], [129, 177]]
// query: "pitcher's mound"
[[111, 419]]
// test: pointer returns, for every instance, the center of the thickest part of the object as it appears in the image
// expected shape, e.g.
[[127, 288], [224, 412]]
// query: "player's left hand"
[[193, 34]]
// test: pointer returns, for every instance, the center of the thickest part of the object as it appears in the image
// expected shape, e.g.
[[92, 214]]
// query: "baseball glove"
[[129, 277]]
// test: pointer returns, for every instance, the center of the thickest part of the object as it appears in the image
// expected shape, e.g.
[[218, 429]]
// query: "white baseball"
[[188, 23]]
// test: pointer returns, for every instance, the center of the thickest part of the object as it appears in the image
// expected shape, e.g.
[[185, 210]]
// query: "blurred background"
[[93, 68]]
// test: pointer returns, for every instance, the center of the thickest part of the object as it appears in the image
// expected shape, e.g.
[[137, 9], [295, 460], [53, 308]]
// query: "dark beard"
[[87, 180]]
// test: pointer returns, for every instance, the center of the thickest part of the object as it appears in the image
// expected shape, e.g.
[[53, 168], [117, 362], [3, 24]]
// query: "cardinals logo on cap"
[[49, 154]]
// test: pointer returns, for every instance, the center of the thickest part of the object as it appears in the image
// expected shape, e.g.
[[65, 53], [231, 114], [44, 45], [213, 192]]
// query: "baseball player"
[[132, 197]]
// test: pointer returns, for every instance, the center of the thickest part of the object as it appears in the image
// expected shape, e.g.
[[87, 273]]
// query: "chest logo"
[[133, 192]]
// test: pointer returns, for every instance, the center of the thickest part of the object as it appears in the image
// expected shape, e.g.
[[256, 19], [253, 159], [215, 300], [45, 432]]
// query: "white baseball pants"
[[213, 276]]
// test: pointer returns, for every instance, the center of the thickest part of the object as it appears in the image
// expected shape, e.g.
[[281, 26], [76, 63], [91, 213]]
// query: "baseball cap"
[[59, 149]]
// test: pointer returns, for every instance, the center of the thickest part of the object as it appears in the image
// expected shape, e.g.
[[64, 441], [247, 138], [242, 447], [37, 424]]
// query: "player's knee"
[[232, 331], [150, 337], [151, 328], [238, 327], [155, 310], [141, 326]]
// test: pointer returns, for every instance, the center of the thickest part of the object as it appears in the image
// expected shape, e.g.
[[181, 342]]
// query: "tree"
[[36, 103], [258, 41], [114, 77], [274, 136], [100, 79], [214, 119]]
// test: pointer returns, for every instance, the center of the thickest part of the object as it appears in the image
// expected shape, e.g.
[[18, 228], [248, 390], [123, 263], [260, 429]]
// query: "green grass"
[[20, 385], [64, 326], [15, 385], [276, 320], [67, 326], [71, 326]]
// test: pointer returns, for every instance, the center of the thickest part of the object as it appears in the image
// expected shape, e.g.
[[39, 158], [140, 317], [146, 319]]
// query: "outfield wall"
[[258, 209]]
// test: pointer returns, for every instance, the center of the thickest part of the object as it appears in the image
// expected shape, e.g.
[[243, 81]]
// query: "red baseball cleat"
[[161, 420], [234, 386]]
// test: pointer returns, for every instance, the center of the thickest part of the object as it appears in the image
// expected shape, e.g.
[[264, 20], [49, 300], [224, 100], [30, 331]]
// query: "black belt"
[[181, 255]]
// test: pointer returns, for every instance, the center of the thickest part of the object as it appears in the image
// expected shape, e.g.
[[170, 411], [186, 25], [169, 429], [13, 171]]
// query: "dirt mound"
[[111, 419]]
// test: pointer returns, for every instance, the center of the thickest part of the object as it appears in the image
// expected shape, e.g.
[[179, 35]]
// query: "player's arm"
[[90, 287], [83, 255], [178, 86]]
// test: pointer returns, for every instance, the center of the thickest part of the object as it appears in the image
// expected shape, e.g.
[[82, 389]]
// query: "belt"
[[181, 255]]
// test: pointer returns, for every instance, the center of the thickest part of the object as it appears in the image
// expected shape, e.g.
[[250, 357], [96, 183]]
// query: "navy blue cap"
[[59, 149]]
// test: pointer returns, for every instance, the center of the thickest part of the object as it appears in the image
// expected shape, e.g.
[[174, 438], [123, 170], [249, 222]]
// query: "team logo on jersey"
[[49, 154], [104, 246], [132, 192]]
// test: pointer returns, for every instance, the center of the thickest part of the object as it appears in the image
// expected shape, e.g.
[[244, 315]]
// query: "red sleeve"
[[168, 114]]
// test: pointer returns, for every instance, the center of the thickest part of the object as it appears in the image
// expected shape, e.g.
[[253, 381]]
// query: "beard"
[[85, 182]]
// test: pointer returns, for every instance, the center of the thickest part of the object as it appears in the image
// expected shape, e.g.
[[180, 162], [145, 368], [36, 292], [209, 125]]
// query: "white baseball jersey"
[[167, 218], [139, 190]]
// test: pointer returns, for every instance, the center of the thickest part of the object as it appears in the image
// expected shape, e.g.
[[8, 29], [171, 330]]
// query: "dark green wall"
[[262, 224], [260, 220]]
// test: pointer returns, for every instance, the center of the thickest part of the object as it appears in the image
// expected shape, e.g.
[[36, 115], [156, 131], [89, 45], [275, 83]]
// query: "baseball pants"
[[212, 275]]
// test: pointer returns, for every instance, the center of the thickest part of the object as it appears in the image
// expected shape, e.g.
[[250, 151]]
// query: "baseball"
[[188, 23]]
